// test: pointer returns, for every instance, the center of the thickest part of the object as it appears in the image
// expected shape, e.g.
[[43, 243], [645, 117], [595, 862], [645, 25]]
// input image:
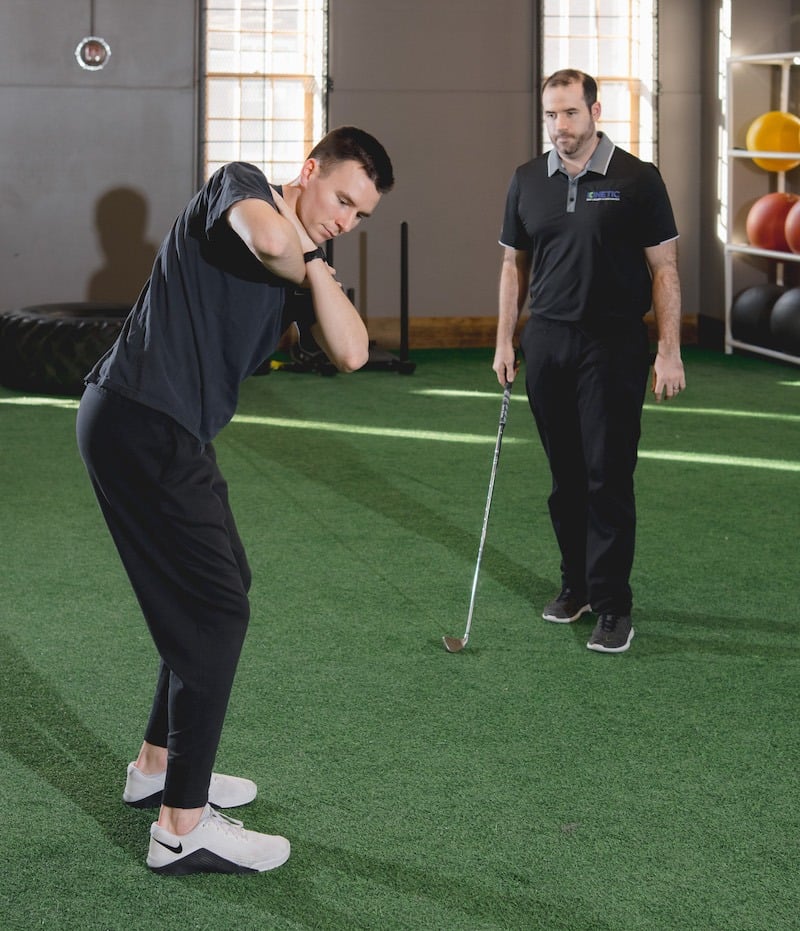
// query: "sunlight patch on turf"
[[776, 465], [393, 432], [25, 401], [721, 412], [663, 408], [456, 393], [321, 425]]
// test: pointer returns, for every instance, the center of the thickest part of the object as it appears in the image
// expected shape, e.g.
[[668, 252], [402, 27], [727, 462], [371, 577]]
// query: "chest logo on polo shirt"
[[593, 196]]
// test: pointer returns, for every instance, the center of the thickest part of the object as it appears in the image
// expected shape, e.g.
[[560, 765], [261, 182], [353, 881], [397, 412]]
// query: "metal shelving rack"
[[785, 62]]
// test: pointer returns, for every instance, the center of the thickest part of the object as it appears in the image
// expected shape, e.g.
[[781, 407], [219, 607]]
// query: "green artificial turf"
[[526, 783]]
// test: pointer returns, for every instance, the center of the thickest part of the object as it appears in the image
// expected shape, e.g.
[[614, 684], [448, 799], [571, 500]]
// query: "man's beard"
[[571, 145], [568, 145]]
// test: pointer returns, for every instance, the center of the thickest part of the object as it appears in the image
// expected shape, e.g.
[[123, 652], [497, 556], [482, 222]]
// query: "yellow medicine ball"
[[774, 131]]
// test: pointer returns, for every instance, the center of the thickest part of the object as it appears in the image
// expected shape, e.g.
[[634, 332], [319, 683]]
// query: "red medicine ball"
[[791, 228], [766, 221]]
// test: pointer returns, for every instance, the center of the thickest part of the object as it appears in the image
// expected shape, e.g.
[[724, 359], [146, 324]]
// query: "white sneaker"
[[218, 844], [143, 791]]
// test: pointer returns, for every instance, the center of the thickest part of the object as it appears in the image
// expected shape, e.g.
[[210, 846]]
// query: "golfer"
[[590, 246], [223, 289]]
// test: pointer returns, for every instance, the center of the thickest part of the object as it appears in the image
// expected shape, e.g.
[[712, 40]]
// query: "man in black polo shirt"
[[223, 289], [590, 244]]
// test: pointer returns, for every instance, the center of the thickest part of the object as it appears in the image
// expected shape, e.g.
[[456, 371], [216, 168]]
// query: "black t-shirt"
[[209, 315], [587, 235]]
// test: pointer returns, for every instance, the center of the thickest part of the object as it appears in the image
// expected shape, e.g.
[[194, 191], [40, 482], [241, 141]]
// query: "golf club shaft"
[[496, 459]]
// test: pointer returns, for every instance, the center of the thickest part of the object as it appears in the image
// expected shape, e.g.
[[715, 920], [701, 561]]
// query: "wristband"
[[317, 253]]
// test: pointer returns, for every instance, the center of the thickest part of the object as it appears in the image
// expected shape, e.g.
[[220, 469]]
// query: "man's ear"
[[309, 169], [596, 111]]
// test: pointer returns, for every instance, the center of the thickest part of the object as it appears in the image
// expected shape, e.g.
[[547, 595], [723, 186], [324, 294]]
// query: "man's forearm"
[[339, 329], [667, 310], [513, 288], [270, 237], [285, 259]]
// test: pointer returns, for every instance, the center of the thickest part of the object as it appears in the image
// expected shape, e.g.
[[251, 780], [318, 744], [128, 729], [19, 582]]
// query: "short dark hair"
[[347, 143], [572, 76]]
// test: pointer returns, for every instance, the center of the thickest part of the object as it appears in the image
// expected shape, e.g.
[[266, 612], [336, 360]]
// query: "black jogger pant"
[[586, 390], [166, 505]]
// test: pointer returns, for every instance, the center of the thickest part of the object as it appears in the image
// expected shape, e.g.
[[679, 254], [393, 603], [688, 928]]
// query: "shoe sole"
[[599, 648], [204, 861], [154, 801], [567, 620]]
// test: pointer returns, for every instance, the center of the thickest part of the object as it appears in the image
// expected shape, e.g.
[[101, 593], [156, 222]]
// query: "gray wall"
[[94, 166], [447, 87], [680, 68]]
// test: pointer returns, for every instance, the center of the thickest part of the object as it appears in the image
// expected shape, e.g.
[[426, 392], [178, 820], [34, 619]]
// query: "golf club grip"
[[500, 429], [504, 404]]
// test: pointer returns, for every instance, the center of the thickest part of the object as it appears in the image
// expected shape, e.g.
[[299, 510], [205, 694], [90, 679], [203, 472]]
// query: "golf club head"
[[454, 644]]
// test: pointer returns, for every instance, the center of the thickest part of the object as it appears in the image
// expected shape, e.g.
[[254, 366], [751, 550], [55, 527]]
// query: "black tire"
[[49, 348]]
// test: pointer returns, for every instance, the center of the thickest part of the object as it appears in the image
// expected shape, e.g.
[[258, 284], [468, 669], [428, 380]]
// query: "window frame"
[[314, 117], [637, 144]]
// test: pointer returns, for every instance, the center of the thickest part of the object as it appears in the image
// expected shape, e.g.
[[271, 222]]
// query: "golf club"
[[456, 644]]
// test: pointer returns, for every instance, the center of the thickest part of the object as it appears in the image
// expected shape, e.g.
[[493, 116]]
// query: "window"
[[614, 41], [264, 83]]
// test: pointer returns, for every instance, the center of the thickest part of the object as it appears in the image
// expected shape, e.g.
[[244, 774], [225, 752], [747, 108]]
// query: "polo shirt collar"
[[597, 163]]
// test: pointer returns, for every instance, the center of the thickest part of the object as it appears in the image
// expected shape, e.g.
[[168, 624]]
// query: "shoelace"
[[608, 622], [227, 825]]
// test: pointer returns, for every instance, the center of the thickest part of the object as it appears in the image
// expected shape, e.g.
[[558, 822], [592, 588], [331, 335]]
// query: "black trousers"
[[586, 389], [166, 505]]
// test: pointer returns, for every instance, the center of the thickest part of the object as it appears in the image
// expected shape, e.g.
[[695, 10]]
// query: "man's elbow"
[[270, 247], [347, 352], [353, 360]]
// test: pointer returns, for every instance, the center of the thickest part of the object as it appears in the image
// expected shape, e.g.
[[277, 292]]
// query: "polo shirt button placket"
[[572, 196]]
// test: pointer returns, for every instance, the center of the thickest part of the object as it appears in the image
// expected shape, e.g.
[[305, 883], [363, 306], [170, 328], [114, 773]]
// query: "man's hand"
[[505, 364], [668, 376], [306, 242]]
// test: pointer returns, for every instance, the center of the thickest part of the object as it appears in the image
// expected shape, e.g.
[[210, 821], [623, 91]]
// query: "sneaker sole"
[[567, 620], [204, 861], [599, 648], [150, 801], [154, 801]]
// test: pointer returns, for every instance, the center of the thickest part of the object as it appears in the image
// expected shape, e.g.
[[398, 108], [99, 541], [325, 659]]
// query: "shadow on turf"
[[461, 901], [668, 633], [346, 473], [43, 734]]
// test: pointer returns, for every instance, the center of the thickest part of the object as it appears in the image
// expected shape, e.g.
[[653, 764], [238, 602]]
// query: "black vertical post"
[[403, 291]]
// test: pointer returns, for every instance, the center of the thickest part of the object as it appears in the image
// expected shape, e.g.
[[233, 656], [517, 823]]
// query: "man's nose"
[[347, 219]]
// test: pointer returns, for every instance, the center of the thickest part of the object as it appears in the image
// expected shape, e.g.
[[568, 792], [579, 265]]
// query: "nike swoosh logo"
[[178, 849]]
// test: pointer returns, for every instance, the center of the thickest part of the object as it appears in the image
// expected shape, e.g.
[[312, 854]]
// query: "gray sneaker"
[[218, 844], [142, 791], [612, 634], [566, 608]]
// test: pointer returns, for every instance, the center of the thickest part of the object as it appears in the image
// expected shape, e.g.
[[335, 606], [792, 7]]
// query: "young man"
[[590, 237], [223, 289]]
